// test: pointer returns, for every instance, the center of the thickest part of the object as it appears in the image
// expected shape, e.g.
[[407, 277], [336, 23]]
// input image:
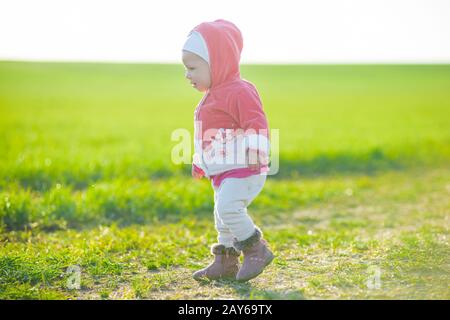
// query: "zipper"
[[197, 110], [196, 116]]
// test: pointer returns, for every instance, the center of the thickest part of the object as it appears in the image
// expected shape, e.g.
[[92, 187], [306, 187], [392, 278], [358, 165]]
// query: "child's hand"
[[256, 159], [197, 173]]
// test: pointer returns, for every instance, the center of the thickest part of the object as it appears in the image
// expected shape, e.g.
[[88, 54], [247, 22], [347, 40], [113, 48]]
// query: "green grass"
[[324, 250], [86, 180]]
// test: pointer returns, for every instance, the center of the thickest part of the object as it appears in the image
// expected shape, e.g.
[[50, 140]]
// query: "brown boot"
[[257, 256], [224, 266]]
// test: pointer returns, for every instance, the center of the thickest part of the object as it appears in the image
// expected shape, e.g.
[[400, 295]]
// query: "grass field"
[[359, 210]]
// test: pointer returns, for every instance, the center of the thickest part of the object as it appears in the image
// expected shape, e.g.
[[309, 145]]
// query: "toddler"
[[231, 147]]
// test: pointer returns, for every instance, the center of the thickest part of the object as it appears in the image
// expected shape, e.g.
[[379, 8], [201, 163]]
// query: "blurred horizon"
[[292, 32], [357, 63]]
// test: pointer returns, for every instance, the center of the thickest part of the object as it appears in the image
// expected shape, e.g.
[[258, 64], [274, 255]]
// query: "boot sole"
[[257, 274], [205, 278]]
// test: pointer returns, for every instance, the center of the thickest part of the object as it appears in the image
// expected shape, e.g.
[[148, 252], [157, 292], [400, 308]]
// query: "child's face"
[[197, 71]]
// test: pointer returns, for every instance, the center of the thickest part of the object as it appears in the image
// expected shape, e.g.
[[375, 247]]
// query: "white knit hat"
[[196, 44]]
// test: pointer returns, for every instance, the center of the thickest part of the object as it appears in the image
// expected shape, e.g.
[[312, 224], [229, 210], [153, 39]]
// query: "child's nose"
[[187, 75]]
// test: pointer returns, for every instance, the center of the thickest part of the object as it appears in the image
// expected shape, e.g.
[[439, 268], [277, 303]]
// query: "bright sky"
[[278, 31]]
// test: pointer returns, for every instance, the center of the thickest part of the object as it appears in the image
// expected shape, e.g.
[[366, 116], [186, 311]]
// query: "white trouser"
[[231, 200]]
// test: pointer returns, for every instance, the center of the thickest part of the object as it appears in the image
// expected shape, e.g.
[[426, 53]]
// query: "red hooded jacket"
[[231, 103]]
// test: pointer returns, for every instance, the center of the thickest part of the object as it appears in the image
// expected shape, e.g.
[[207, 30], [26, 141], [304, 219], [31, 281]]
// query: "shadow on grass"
[[246, 291], [374, 161], [291, 166]]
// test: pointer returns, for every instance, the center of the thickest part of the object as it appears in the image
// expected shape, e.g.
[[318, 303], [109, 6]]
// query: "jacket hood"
[[224, 42]]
